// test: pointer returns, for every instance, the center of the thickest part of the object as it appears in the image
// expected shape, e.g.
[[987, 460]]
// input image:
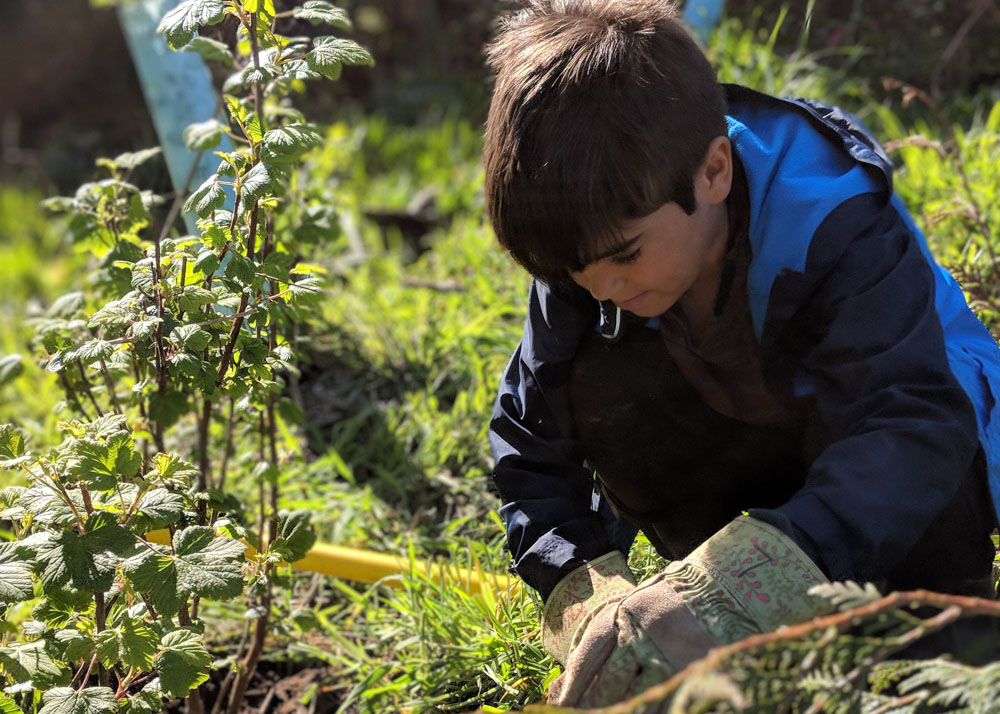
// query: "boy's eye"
[[626, 258]]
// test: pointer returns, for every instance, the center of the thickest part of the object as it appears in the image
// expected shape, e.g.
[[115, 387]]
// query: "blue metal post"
[[702, 16], [178, 90]]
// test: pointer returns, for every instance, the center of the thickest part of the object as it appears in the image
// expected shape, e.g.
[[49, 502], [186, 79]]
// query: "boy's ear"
[[715, 175]]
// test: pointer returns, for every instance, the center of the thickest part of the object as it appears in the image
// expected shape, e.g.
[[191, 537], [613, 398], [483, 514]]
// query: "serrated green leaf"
[[156, 576], [289, 142], [102, 464], [241, 268], [182, 661], [116, 315], [57, 614], [253, 351], [186, 363], [305, 290], [48, 507], [180, 24], [329, 53], [254, 131], [208, 565], [195, 296], [210, 50], [236, 109], [15, 576], [64, 558], [167, 407], [94, 351], [202, 135], [131, 159], [11, 442], [104, 533], [75, 645], [277, 265], [66, 700], [87, 561], [295, 535], [11, 367], [102, 427], [66, 306], [8, 705], [207, 263], [10, 503], [171, 469], [206, 198], [131, 643], [147, 701], [144, 328], [32, 662], [158, 508], [321, 12], [297, 69], [258, 181], [191, 337]]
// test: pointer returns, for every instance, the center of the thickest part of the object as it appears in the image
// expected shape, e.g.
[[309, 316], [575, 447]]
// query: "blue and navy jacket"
[[901, 371]]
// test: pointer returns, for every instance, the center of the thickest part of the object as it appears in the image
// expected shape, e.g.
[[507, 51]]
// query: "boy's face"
[[669, 256]]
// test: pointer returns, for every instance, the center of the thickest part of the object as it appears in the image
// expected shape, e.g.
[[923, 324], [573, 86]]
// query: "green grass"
[[407, 352]]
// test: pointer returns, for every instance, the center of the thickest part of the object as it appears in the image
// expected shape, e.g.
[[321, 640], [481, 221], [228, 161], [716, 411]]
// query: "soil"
[[277, 687]]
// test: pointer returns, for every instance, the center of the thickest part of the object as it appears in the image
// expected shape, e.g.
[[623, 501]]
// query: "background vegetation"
[[422, 310]]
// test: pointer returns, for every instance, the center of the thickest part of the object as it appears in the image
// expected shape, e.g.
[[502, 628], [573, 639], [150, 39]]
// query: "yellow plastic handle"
[[369, 566]]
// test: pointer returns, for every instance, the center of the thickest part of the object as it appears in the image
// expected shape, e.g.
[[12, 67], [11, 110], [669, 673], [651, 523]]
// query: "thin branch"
[[110, 387], [86, 388], [227, 449], [840, 623], [227, 355], [72, 396]]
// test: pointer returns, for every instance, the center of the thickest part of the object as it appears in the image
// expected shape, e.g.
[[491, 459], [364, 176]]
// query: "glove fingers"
[[662, 613], [587, 660], [631, 665]]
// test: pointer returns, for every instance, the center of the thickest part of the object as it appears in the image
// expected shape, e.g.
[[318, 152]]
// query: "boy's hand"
[[579, 598], [747, 578]]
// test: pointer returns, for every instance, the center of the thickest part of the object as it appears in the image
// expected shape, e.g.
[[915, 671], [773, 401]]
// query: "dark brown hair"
[[602, 112]]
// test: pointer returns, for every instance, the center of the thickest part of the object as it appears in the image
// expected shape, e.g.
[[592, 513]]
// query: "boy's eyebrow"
[[615, 250]]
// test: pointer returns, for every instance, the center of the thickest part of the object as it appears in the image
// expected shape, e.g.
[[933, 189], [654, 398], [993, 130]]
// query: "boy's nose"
[[602, 282]]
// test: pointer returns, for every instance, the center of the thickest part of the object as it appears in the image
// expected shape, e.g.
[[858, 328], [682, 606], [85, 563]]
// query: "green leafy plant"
[[173, 361]]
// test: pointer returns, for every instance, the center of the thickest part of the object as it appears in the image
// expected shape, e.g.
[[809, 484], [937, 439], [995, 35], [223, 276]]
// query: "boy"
[[731, 313]]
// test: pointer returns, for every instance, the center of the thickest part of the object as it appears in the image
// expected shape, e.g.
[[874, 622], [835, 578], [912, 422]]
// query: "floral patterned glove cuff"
[[578, 597], [759, 570]]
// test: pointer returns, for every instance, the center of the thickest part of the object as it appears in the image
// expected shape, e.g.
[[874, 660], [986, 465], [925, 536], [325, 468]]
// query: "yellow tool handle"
[[368, 566]]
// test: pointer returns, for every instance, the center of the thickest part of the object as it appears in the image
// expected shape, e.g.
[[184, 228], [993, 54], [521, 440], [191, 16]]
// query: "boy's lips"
[[632, 301]]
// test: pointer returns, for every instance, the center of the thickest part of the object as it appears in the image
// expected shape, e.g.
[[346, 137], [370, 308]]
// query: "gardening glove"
[[579, 598], [747, 578]]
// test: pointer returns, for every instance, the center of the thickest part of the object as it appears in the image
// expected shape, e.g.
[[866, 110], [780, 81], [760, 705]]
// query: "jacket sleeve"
[[900, 430], [546, 491]]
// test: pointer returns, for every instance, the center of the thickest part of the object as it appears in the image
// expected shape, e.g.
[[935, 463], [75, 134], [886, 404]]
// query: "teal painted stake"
[[702, 16], [178, 91]]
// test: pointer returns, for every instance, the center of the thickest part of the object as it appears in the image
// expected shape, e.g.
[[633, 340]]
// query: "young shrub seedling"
[[172, 364]]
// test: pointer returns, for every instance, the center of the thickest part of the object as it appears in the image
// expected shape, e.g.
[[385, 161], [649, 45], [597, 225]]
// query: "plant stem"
[[258, 91], [253, 655], [100, 621], [227, 449], [111, 388], [86, 388], [72, 396], [230, 675], [203, 461], [86, 674], [227, 356]]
